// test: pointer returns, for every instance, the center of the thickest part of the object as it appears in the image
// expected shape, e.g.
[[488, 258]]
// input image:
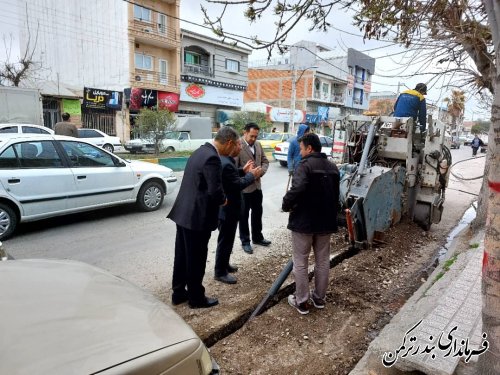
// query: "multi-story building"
[[324, 83], [106, 45], [213, 76]]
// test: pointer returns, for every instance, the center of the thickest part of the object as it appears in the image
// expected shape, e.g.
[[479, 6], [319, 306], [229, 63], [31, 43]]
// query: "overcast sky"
[[344, 35]]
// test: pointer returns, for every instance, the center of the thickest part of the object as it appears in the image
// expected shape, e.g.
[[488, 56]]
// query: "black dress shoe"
[[205, 303], [232, 269], [247, 249], [262, 242], [227, 279], [178, 299]]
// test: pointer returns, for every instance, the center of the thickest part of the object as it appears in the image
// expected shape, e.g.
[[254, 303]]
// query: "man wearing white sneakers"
[[313, 204]]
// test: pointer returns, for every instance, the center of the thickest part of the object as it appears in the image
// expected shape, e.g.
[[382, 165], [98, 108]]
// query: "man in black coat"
[[234, 180], [196, 211], [313, 204]]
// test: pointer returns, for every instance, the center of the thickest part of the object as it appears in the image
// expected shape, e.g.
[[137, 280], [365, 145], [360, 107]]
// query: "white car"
[[281, 149], [67, 317], [53, 175], [101, 139], [24, 128]]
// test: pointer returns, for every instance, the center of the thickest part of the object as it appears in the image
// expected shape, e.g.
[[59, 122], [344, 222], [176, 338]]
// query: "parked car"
[[24, 128], [68, 317], [270, 140], [101, 139], [281, 149], [455, 142], [468, 140], [49, 175]]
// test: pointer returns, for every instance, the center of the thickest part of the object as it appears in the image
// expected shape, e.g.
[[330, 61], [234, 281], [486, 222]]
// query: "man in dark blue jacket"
[[411, 103], [293, 157], [234, 180], [195, 212], [313, 202]]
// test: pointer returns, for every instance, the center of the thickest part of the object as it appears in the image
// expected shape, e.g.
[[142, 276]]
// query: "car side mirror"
[[118, 162]]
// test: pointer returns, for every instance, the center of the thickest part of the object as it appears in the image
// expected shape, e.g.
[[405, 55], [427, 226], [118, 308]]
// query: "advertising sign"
[[142, 98], [284, 115], [198, 93], [168, 100], [72, 106], [101, 100]]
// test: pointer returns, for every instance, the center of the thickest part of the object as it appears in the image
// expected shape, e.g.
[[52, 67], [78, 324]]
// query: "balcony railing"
[[153, 79], [335, 98], [154, 32], [197, 69]]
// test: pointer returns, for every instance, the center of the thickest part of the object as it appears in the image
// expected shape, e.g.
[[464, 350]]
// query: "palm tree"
[[456, 106]]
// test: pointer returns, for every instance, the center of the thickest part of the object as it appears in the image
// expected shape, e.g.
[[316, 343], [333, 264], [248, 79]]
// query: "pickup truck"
[[173, 141]]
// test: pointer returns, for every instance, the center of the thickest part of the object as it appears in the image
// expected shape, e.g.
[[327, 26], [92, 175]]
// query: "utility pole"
[[292, 100]]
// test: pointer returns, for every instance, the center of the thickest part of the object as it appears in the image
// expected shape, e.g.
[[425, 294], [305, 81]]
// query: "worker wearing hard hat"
[[411, 103]]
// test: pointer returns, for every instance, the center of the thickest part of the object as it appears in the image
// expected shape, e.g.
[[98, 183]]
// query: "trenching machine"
[[389, 169]]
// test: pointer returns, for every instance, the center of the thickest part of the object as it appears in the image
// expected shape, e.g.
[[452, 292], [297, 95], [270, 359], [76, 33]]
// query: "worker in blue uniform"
[[411, 103]]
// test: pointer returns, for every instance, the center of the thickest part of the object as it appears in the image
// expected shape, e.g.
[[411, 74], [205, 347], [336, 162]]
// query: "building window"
[[232, 65], [142, 14], [192, 58], [143, 61]]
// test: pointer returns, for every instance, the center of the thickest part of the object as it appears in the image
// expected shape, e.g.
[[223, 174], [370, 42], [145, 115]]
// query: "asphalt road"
[[140, 246], [134, 245]]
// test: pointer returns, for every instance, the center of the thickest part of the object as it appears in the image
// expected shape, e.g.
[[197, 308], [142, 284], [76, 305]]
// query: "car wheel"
[[283, 163], [150, 196], [170, 149], [108, 147], [8, 221]]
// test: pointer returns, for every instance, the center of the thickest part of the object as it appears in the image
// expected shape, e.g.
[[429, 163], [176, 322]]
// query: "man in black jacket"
[[234, 180], [313, 204], [195, 211]]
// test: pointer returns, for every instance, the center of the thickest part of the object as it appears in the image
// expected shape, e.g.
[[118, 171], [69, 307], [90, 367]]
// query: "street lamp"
[[294, 94]]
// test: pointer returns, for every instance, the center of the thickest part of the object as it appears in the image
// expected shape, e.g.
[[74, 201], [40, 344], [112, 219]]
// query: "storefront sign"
[[198, 93], [142, 98], [284, 115], [101, 100], [168, 100]]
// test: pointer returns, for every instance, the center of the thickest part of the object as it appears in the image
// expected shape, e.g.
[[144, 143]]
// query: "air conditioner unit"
[[148, 30]]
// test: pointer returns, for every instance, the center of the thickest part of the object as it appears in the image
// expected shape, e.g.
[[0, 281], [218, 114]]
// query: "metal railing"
[[150, 77], [155, 31], [197, 69], [335, 98]]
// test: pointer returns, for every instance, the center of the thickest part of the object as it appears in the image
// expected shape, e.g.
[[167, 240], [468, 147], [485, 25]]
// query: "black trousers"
[[225, 242], [191, 249], [474, 151], [251, 201]]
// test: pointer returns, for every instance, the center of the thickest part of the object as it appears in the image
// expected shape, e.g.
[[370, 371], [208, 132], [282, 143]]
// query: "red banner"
[[168, 100]]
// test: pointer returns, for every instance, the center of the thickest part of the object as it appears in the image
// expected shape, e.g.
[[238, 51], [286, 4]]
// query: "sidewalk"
[[450, 298]]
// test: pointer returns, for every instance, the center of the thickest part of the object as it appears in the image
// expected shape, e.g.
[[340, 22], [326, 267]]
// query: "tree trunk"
[[482, 202], [489, 362]]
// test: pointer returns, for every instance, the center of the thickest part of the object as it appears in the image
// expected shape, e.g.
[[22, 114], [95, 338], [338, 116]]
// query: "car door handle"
[[81, 177], [14, 180]]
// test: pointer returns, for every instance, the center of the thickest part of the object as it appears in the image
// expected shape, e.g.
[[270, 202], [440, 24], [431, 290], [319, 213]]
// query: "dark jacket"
[[293, 157], [476, 143], [313, 199], [200, 193], [411, 103], [234, 180]]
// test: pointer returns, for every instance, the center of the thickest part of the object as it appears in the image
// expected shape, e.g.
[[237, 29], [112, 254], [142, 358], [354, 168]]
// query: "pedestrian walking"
[[252, 195], [195, 212], [65, 127], [234, 180], [313, 204], [475, 144]]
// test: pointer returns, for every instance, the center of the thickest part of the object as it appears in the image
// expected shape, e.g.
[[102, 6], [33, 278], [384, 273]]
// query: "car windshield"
[[172, 135]]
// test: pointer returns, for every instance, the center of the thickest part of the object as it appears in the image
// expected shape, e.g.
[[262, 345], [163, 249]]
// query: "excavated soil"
[[365, 291]]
